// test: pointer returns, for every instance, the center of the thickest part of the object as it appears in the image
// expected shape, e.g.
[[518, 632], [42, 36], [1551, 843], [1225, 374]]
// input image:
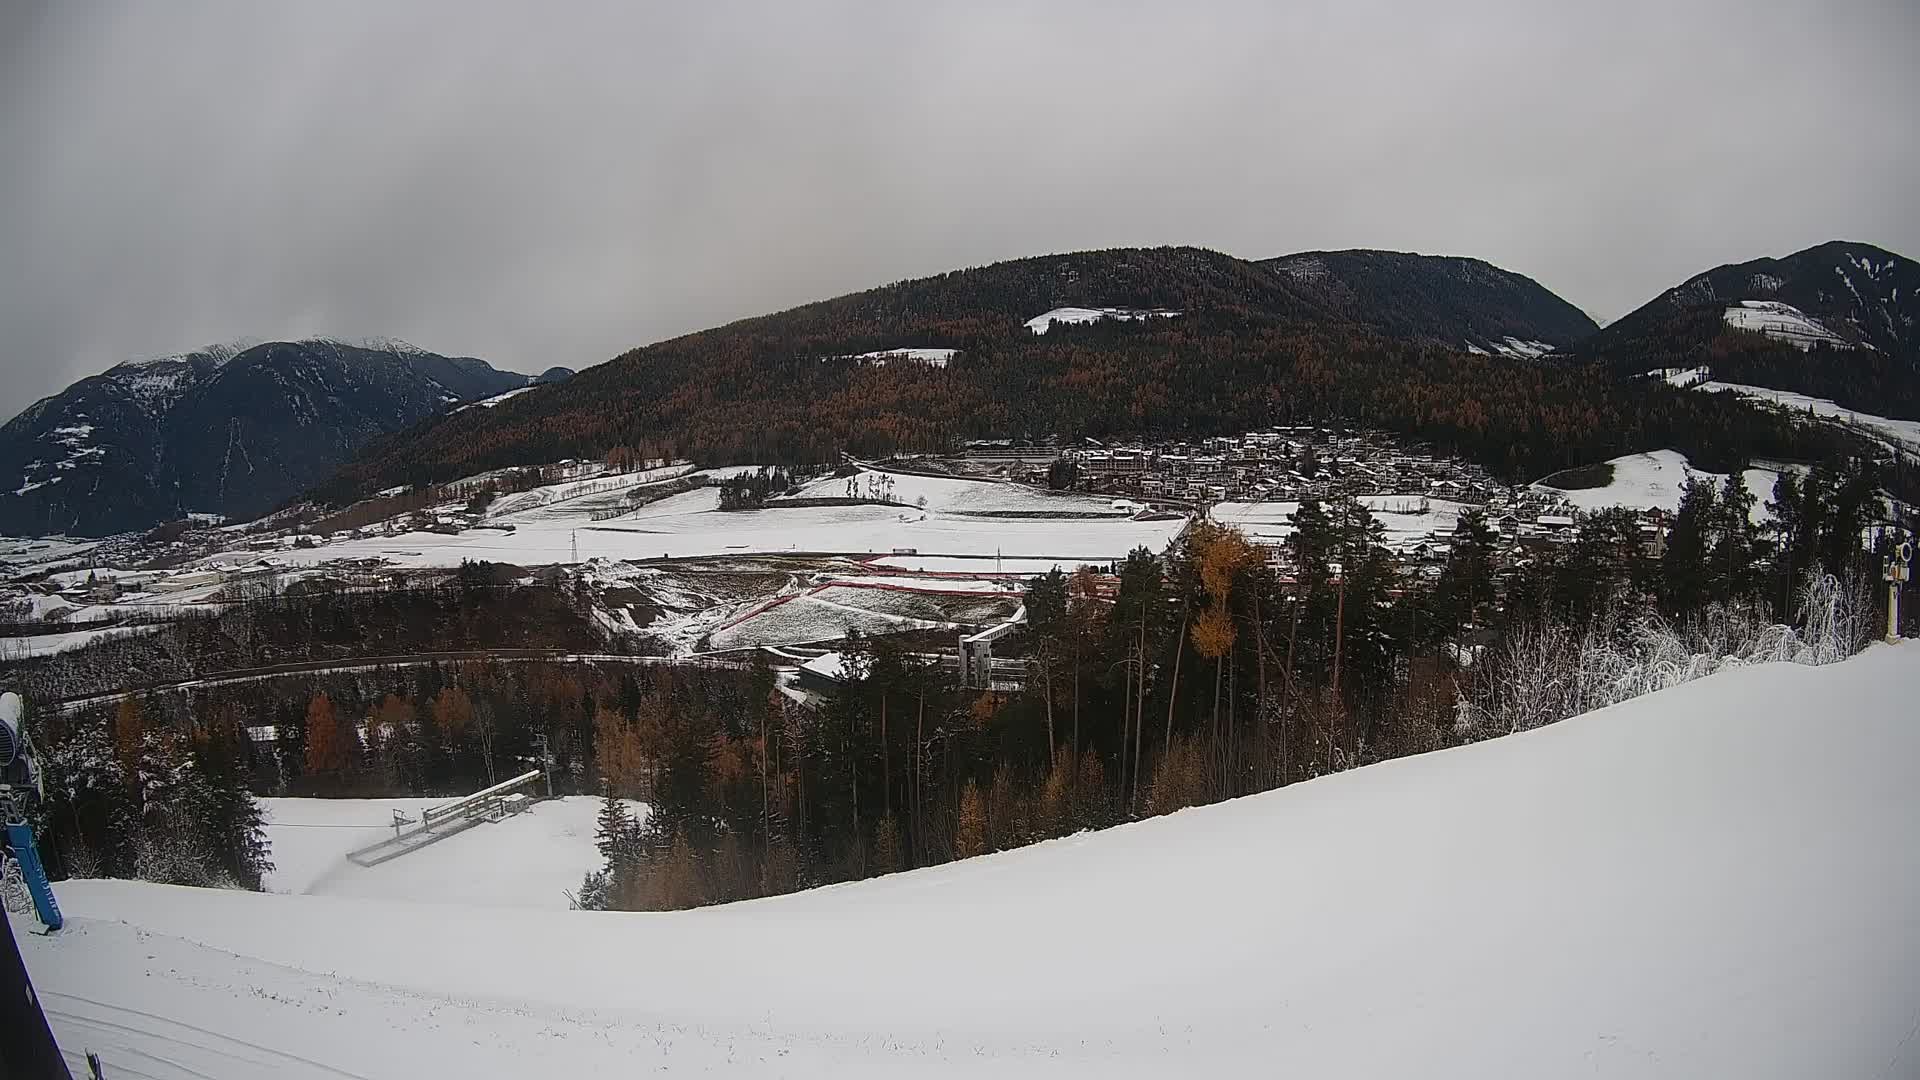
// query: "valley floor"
[[1715, 880]]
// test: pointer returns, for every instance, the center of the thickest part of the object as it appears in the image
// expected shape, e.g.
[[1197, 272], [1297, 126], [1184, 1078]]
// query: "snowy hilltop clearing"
[[1692, 883], [1656, 480]]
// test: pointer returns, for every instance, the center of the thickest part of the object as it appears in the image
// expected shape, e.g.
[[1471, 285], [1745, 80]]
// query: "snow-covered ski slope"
[[1717, 880]]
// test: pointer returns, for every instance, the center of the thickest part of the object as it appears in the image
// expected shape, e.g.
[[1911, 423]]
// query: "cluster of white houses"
[[1282, 464], [1296, 464]]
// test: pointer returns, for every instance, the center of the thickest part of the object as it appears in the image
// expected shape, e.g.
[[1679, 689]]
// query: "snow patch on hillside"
[[929, 357], [219, 354], [1512, 347], [1522, 350], [490, 402], [1040, 324], [1681, 378], [1783, 322], [1903, 434], [1305, 268]]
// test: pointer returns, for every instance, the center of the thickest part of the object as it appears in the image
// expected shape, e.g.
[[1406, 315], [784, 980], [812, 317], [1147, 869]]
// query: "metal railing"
[[439, 822]]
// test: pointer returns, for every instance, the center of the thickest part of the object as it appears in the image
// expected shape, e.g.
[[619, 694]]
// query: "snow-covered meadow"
[[1409, 520], [957, 518], [1654, 480]]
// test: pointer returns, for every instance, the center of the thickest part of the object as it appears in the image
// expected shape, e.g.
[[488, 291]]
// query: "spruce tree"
[[1683, 568], [614, 835]]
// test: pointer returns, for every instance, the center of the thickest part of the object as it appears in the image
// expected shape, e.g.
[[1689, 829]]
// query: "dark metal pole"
[[27, 1048]]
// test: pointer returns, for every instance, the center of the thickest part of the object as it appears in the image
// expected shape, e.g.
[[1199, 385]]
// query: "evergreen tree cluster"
[[126, 798], [750, 489]]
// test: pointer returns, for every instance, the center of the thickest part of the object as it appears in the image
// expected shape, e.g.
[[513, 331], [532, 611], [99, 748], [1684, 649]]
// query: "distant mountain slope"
[[221, 430], [1461, 303], [1840, 320], [1101, 343]]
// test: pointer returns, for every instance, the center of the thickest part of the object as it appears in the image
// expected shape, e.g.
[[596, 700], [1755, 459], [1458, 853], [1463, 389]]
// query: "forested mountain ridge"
[[223, 430], [1839, 320], [1454, 302], [1231, 345]]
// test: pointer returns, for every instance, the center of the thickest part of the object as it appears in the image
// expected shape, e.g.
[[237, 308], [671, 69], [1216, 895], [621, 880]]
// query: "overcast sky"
[[542, 184]]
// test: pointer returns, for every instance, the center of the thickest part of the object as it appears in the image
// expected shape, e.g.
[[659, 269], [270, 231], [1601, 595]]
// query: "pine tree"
[[1467, 580], [1730, 563], [1047, 603], [614, 835], [1683, 568]]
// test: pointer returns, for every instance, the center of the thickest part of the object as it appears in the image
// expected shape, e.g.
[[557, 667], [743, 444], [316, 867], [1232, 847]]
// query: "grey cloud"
[[539, 184]]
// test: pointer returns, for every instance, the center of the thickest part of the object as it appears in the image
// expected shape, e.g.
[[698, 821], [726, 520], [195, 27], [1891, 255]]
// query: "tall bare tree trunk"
[[853, 794], [1219, 663], [766, 817], [1179, 649], [1076, 697], [1140, 717], [1046, 671], [886, 763], [1339, 625], [919, 820], [1126, 722], [1234, 768]]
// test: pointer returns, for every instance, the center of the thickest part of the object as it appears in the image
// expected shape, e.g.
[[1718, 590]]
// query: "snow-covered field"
[[1040, 324], [28, 554], [873, 606], [929, 357], [953, 565], [1408, 519], [527, 861], [25, 648], [967, 496], [1904, 434], [1673, 887], [961, 518], [1654, 480]]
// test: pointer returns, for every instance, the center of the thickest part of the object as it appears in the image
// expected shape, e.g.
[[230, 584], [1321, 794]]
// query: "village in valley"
[[670, 559]]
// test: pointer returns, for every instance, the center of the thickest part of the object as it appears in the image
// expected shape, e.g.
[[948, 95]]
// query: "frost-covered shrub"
[[1545, 672]]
